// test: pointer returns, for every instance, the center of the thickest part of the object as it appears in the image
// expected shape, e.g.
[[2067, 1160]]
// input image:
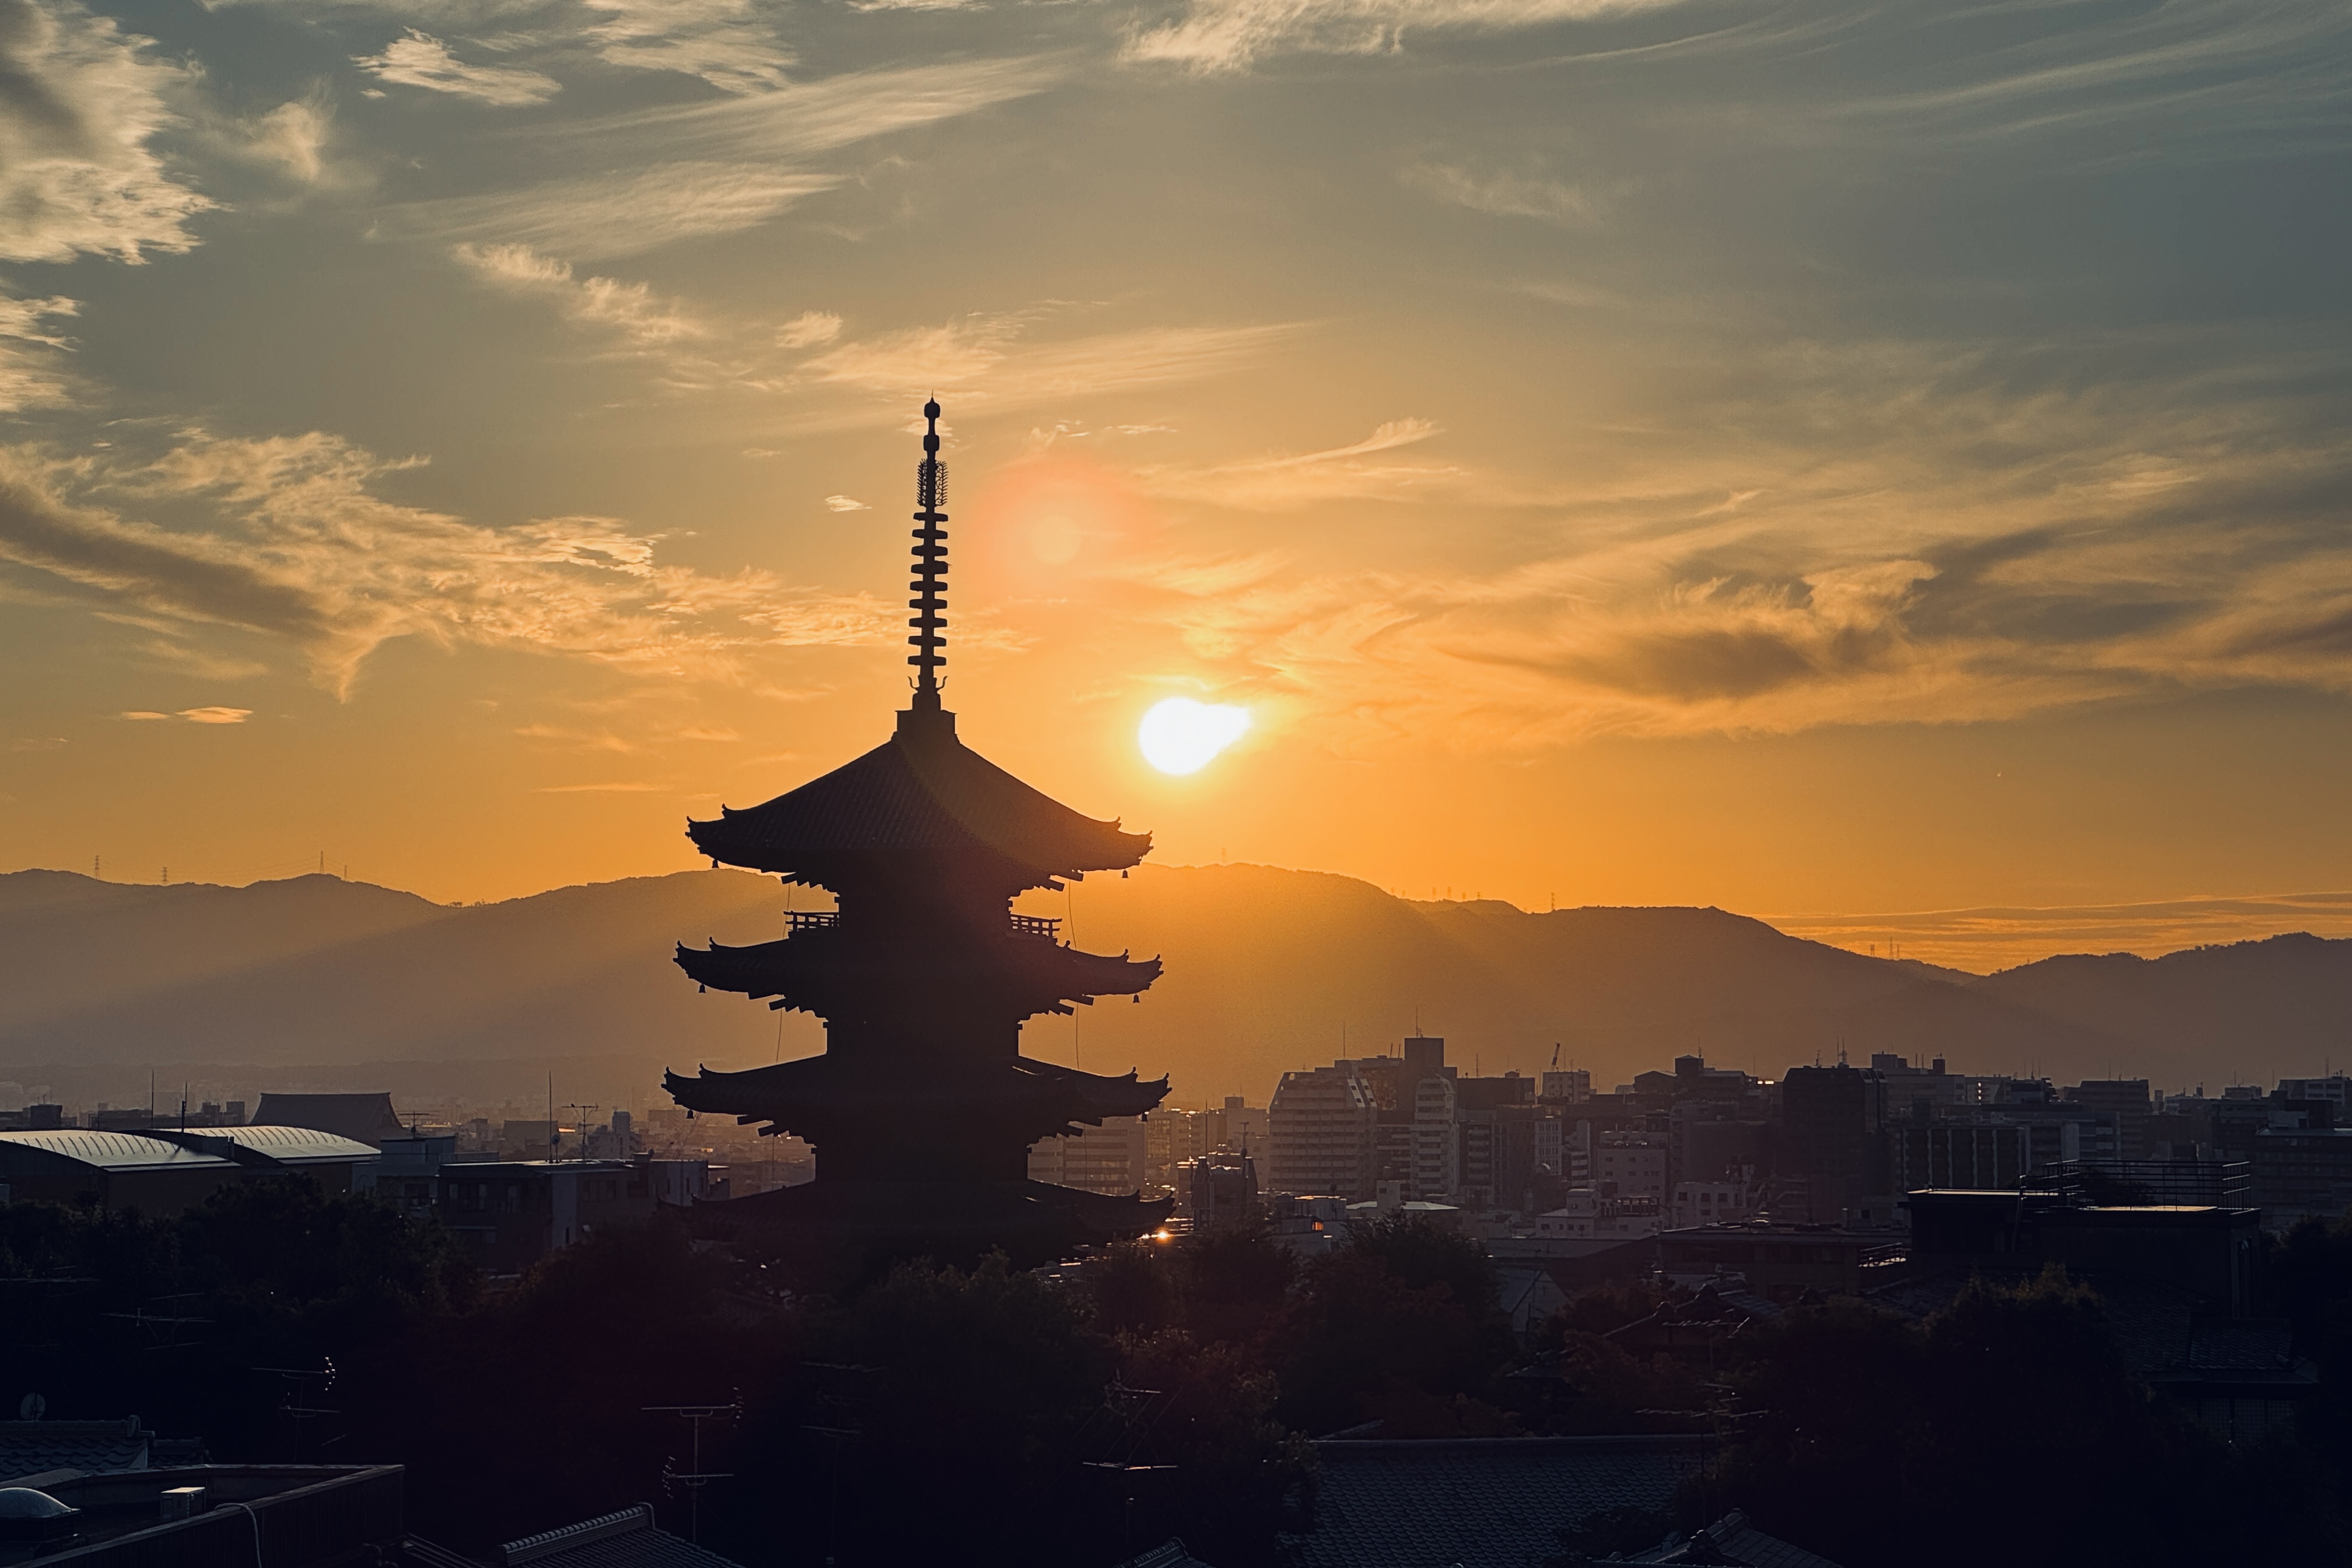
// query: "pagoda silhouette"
[[921, 1108]]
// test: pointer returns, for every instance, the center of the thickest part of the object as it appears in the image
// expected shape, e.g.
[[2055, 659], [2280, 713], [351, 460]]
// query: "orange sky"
[[1647, 452]]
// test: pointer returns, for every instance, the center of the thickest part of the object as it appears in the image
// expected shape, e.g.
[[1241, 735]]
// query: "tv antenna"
[[556, 1136], [302, 1390], [694, 1479]]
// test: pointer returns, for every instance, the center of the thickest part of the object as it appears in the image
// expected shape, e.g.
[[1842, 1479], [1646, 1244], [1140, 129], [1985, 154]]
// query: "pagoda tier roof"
[[1031, 1222], [827, 971], [923, 794], [815, 1092]]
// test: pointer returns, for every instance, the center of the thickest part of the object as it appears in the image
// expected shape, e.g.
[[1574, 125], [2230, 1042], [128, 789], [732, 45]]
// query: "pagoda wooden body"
[[921, 1108]]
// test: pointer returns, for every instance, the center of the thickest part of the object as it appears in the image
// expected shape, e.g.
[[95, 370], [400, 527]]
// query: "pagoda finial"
[[930, 603]]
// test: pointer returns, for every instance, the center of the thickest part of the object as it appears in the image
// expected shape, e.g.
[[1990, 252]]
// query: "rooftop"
[[628, 1538], [31, 1447], [105, 1151], [1478, 1502], [291, 1516]]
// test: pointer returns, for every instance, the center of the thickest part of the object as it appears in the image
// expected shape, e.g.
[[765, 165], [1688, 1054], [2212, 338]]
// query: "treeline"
[[994, 1415]]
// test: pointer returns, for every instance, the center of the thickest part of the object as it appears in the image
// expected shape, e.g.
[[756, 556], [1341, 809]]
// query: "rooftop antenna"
[[697, 1478], [929, 622], [591, 1116]]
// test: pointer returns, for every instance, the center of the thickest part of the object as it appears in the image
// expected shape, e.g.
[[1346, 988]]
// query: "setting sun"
[[1182, 736]]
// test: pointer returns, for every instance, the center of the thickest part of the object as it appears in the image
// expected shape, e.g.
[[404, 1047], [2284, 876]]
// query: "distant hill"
[[1267, 970]]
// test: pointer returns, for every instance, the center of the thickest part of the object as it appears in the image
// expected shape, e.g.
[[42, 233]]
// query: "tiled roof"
[[625, 1540], [2248, 1344], [93, 1446], [1171, 1554], [415, 1552], [365, 1117], [1734, 1540], [921, 792], [1493, 1502]]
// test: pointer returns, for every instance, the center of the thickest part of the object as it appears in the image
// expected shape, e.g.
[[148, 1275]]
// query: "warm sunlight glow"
[[1182, 736]]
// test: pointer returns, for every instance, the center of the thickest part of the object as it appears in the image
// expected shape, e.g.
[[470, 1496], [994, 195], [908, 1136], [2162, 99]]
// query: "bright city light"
[[1182, 736]]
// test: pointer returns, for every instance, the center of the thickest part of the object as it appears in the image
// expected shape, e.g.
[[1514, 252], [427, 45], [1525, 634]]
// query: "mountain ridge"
[[1269, 969]]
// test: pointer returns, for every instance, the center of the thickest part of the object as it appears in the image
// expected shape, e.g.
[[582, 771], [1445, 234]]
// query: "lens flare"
[[1182, 736]]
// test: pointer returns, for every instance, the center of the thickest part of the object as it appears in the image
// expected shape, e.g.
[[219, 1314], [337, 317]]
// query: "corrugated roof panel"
[[111, 1151], [295, 1145]]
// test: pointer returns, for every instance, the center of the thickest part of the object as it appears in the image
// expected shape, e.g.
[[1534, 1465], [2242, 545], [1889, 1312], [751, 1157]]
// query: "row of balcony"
[[1045, 927]]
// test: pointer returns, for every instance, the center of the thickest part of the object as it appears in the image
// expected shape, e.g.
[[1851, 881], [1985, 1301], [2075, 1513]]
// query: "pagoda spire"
[[929, 622]]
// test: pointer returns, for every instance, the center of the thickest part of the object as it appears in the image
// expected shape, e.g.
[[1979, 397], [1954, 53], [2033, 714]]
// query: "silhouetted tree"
[[2011, 1423], [1401, 1324]]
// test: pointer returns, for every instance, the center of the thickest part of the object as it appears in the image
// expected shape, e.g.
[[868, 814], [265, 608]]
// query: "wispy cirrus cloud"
[[992, 362], [598, 217], [417, 58], [631, 312], [303, 551], [1503, 194], [84, 104], [29, 344], [216, 715], [1361, 470], [1978, 549], [813, 117], [1218, 36], [727, 43], [692, 170]]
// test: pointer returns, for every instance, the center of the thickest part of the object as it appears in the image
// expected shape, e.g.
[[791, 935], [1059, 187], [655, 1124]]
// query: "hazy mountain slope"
[[2247, 1012], [576, 972], [1265, 969], [1265, 966], [70, 944]]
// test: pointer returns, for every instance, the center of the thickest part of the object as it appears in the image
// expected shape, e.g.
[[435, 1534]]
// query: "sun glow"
[[1182, 736]]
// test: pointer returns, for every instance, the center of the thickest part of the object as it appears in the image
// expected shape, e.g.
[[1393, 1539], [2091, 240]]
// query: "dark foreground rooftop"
[[1478, 1502]]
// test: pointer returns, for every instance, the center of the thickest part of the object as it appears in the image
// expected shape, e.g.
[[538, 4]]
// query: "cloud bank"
[[83, 104], [303, 552]]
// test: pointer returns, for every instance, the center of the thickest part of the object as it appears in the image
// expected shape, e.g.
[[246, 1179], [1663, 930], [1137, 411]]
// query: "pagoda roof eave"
[[922, 795], [806, 968], [830, 1085]]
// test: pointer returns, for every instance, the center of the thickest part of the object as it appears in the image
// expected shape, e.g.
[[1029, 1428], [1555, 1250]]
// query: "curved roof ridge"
[[922, 791]]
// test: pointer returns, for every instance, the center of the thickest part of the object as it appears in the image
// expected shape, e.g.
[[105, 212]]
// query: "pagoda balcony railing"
[[1048, 927], [811, 920]]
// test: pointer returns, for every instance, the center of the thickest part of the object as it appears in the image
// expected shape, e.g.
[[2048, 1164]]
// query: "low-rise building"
[[1711, 1203], [1217, 1189], [2303, 1172], [1589, 1216], [163, 1171], [1631, 1164], [1778, 1261], [516, 1212]]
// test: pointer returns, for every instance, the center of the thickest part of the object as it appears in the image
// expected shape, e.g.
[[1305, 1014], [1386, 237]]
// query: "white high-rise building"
[[1322, 1130], [1436, 1143], [1113, 1158]]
